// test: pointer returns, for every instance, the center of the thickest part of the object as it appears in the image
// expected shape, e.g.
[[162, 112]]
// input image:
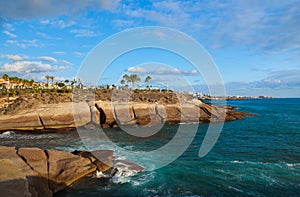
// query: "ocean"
[[258, 156]]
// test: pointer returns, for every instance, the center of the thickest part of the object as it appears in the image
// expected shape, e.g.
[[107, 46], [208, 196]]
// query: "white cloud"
[[65, 62], [60, 23], [167, 13], [136, 70], [84, 33], [9, 34], [48, 59], [161, 71], [260, 26], [8, 26], [43, 35], [122, 24], [59, 52], [45, 8], [45, 22], [54, 60], [14, 57], [25, 67], [24, 43], [283, 83], [78, 54]]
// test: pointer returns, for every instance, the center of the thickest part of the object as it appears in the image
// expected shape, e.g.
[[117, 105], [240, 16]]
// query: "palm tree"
[[5, 76], [133, 79], [147, 80], [52, 79], [47, 78], [67, 81], [73, 82], [31, 82], [126, 77]]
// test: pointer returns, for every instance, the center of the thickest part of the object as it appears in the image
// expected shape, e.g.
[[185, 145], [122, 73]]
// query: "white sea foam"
[[124, 170], [7, 133], [292, 164], [144, 178], [99, 174], [234, 188], [281, 164]]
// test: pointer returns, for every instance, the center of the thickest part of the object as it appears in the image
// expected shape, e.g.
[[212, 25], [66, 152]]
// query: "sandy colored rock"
[[22, 121], [146, 114], [82, 113], [16, 173], [36, 159], [13, 181], [101, 158], [106, 112], [190, 113], [95, 115], [170, 113], [61, 115], [65, 168], [35, 172], [124, 114], [215, 113]]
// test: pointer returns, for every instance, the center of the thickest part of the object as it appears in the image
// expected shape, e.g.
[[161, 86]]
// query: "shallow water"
[[258, 156]]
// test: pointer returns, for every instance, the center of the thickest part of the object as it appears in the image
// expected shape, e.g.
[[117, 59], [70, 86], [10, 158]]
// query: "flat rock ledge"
[[65, 116], [37, 172]]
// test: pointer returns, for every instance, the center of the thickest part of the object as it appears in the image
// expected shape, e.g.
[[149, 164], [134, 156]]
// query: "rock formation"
[[63, 116], [37, 172]]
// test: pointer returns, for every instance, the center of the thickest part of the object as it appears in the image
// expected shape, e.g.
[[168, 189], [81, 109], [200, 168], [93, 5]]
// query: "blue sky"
[[255, 44]]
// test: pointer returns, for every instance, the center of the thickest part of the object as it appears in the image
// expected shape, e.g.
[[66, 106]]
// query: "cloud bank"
[[161, 71], [45, 8]]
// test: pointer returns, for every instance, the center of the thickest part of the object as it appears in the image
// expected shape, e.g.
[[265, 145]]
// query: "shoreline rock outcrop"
[[37, 172], [65, 116]]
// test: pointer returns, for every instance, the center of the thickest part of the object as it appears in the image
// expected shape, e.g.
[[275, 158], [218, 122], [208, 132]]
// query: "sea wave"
[[265, 163], [143, 178]]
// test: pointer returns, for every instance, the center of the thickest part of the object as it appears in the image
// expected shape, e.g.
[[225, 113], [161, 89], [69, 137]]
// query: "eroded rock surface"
[[113, 114], [37, 172]]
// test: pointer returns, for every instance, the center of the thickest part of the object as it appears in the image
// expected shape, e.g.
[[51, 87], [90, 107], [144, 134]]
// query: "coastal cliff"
[[37, 172], [64, 116]]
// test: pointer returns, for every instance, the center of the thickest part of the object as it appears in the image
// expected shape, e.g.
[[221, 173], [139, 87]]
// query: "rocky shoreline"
[[65, 116], [37, 172]]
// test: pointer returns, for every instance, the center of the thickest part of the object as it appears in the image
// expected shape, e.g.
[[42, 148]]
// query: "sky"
[[254, 43]]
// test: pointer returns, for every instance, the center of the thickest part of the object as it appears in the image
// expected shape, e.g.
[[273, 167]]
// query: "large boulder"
[[95, 115], [170, 113], [17, 178], [103, 159], [13, 181], [106, 113], [36, 159], [64, 115], [35, 172], [65, 168], [124, 114], [145, 114], [25, 120], [214, 113], [190, 113]]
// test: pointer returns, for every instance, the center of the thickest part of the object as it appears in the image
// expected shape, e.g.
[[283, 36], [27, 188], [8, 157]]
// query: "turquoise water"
[[258, 156]]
